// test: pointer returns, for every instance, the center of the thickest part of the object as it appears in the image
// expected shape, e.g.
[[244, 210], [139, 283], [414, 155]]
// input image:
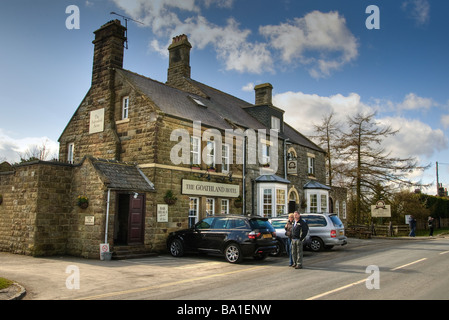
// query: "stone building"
[[152, 157]]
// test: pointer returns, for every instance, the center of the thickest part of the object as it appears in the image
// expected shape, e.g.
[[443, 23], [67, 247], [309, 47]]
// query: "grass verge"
[[5, 283]]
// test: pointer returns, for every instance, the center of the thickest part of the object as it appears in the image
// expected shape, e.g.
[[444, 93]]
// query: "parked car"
[[235, 237], [325, 231]]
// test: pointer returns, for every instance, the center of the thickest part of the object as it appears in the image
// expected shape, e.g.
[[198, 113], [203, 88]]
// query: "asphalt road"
[[364, 269]]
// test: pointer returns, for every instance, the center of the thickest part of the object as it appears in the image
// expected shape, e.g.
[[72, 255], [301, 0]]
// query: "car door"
[[195, 239], [218, 234]]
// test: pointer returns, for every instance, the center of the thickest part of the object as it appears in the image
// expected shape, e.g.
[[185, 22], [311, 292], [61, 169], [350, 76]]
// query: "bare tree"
[[327, 135], [367, 163], [35, 152]]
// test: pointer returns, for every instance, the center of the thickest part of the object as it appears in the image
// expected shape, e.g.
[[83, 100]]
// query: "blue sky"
[[318, 55]]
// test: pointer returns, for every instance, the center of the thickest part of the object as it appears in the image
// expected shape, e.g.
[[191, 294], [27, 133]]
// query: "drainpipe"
[[107, 217], [285, 158], [244, 175]]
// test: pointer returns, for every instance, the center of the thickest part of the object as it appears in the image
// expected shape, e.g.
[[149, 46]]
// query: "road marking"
[[336, 290], [408, 264], [164, 285], [362, 281], [444, 252]]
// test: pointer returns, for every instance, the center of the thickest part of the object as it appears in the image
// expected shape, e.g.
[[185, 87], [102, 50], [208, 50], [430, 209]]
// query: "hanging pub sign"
[[381, 210]]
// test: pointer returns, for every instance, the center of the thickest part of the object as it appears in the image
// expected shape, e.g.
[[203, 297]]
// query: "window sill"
[[122, 121]]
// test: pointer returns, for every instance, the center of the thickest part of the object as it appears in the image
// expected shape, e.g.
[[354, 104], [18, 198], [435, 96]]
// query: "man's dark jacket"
[[300, 230]]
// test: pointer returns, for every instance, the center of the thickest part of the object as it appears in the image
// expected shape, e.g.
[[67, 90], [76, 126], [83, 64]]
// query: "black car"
[[235, 237]]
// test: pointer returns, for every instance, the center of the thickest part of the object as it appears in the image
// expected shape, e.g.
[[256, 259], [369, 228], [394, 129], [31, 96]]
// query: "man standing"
[[299, 233]]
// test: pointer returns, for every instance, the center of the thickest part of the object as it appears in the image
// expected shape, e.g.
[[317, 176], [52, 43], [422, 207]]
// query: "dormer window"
[[275, 123], [125, 108]]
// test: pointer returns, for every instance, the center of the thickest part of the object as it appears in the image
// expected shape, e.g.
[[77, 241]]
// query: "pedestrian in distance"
[[412, 224], [430, 223], [299, 233], [288, 233]]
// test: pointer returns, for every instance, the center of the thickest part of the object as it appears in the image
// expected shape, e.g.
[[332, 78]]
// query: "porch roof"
[[122, 176]]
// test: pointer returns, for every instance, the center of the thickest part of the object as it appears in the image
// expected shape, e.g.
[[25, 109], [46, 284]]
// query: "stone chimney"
[[179, 61], [108, 51], [263, 94]]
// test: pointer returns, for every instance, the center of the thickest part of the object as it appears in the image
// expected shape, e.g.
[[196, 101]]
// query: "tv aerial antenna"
[[126, 19]]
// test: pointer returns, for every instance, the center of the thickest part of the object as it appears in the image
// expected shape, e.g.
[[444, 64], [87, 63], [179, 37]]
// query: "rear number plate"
[[267, 235]]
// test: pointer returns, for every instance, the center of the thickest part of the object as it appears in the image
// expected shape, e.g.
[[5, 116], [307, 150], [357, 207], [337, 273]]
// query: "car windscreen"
[[278, 224], [260, 224], [336, 221]]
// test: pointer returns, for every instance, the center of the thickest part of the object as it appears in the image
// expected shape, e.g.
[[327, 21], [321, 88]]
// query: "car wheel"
[[278, 251], [233, 254], [176, 248], [316, 244]]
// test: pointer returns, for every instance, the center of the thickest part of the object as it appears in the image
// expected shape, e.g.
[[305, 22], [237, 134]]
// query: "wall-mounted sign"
[[162, 213], [202, 188], [89, 220], [96, 123]]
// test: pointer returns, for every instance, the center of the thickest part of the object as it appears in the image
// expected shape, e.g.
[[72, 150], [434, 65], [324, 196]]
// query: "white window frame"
[[210, 155], [70, 152], [225, 163], [275, 123], [194, 205], [125, 108], [337, 207], [274, 204], [210, 207], [344, 209], [224, 206], [311, 165], [281, 203], [265, 154], [321, 206], [195, 155]]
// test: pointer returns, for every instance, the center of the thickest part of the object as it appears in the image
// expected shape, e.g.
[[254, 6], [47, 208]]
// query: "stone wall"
[[34, 216]]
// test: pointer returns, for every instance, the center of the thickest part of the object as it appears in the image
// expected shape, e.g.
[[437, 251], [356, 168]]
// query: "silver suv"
[[325, 229]]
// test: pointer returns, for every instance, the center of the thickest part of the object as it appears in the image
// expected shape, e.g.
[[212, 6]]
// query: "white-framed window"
[[265, 154], [210, 206], [272, 199], [323, 203], [317, 201], [311, 165], [210, 156], [275, 123], [70, 152], [267, 202], [224, 206], [125, 107], [343, 205], [225, 158], [195, 151], [281, 202], [313, 203], [337, 207], [193, 211]]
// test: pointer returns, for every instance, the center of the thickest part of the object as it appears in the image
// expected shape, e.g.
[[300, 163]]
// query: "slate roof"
[[220, 109], [271, 178], [122, 176], [315, 185]]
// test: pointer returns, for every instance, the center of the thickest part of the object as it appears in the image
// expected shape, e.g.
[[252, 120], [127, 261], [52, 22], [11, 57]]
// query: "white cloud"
[[321, 41], [230, 42], [415, 102], [10, 148], [414, 138], [418, 10], [445, 120], [249, 87]]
